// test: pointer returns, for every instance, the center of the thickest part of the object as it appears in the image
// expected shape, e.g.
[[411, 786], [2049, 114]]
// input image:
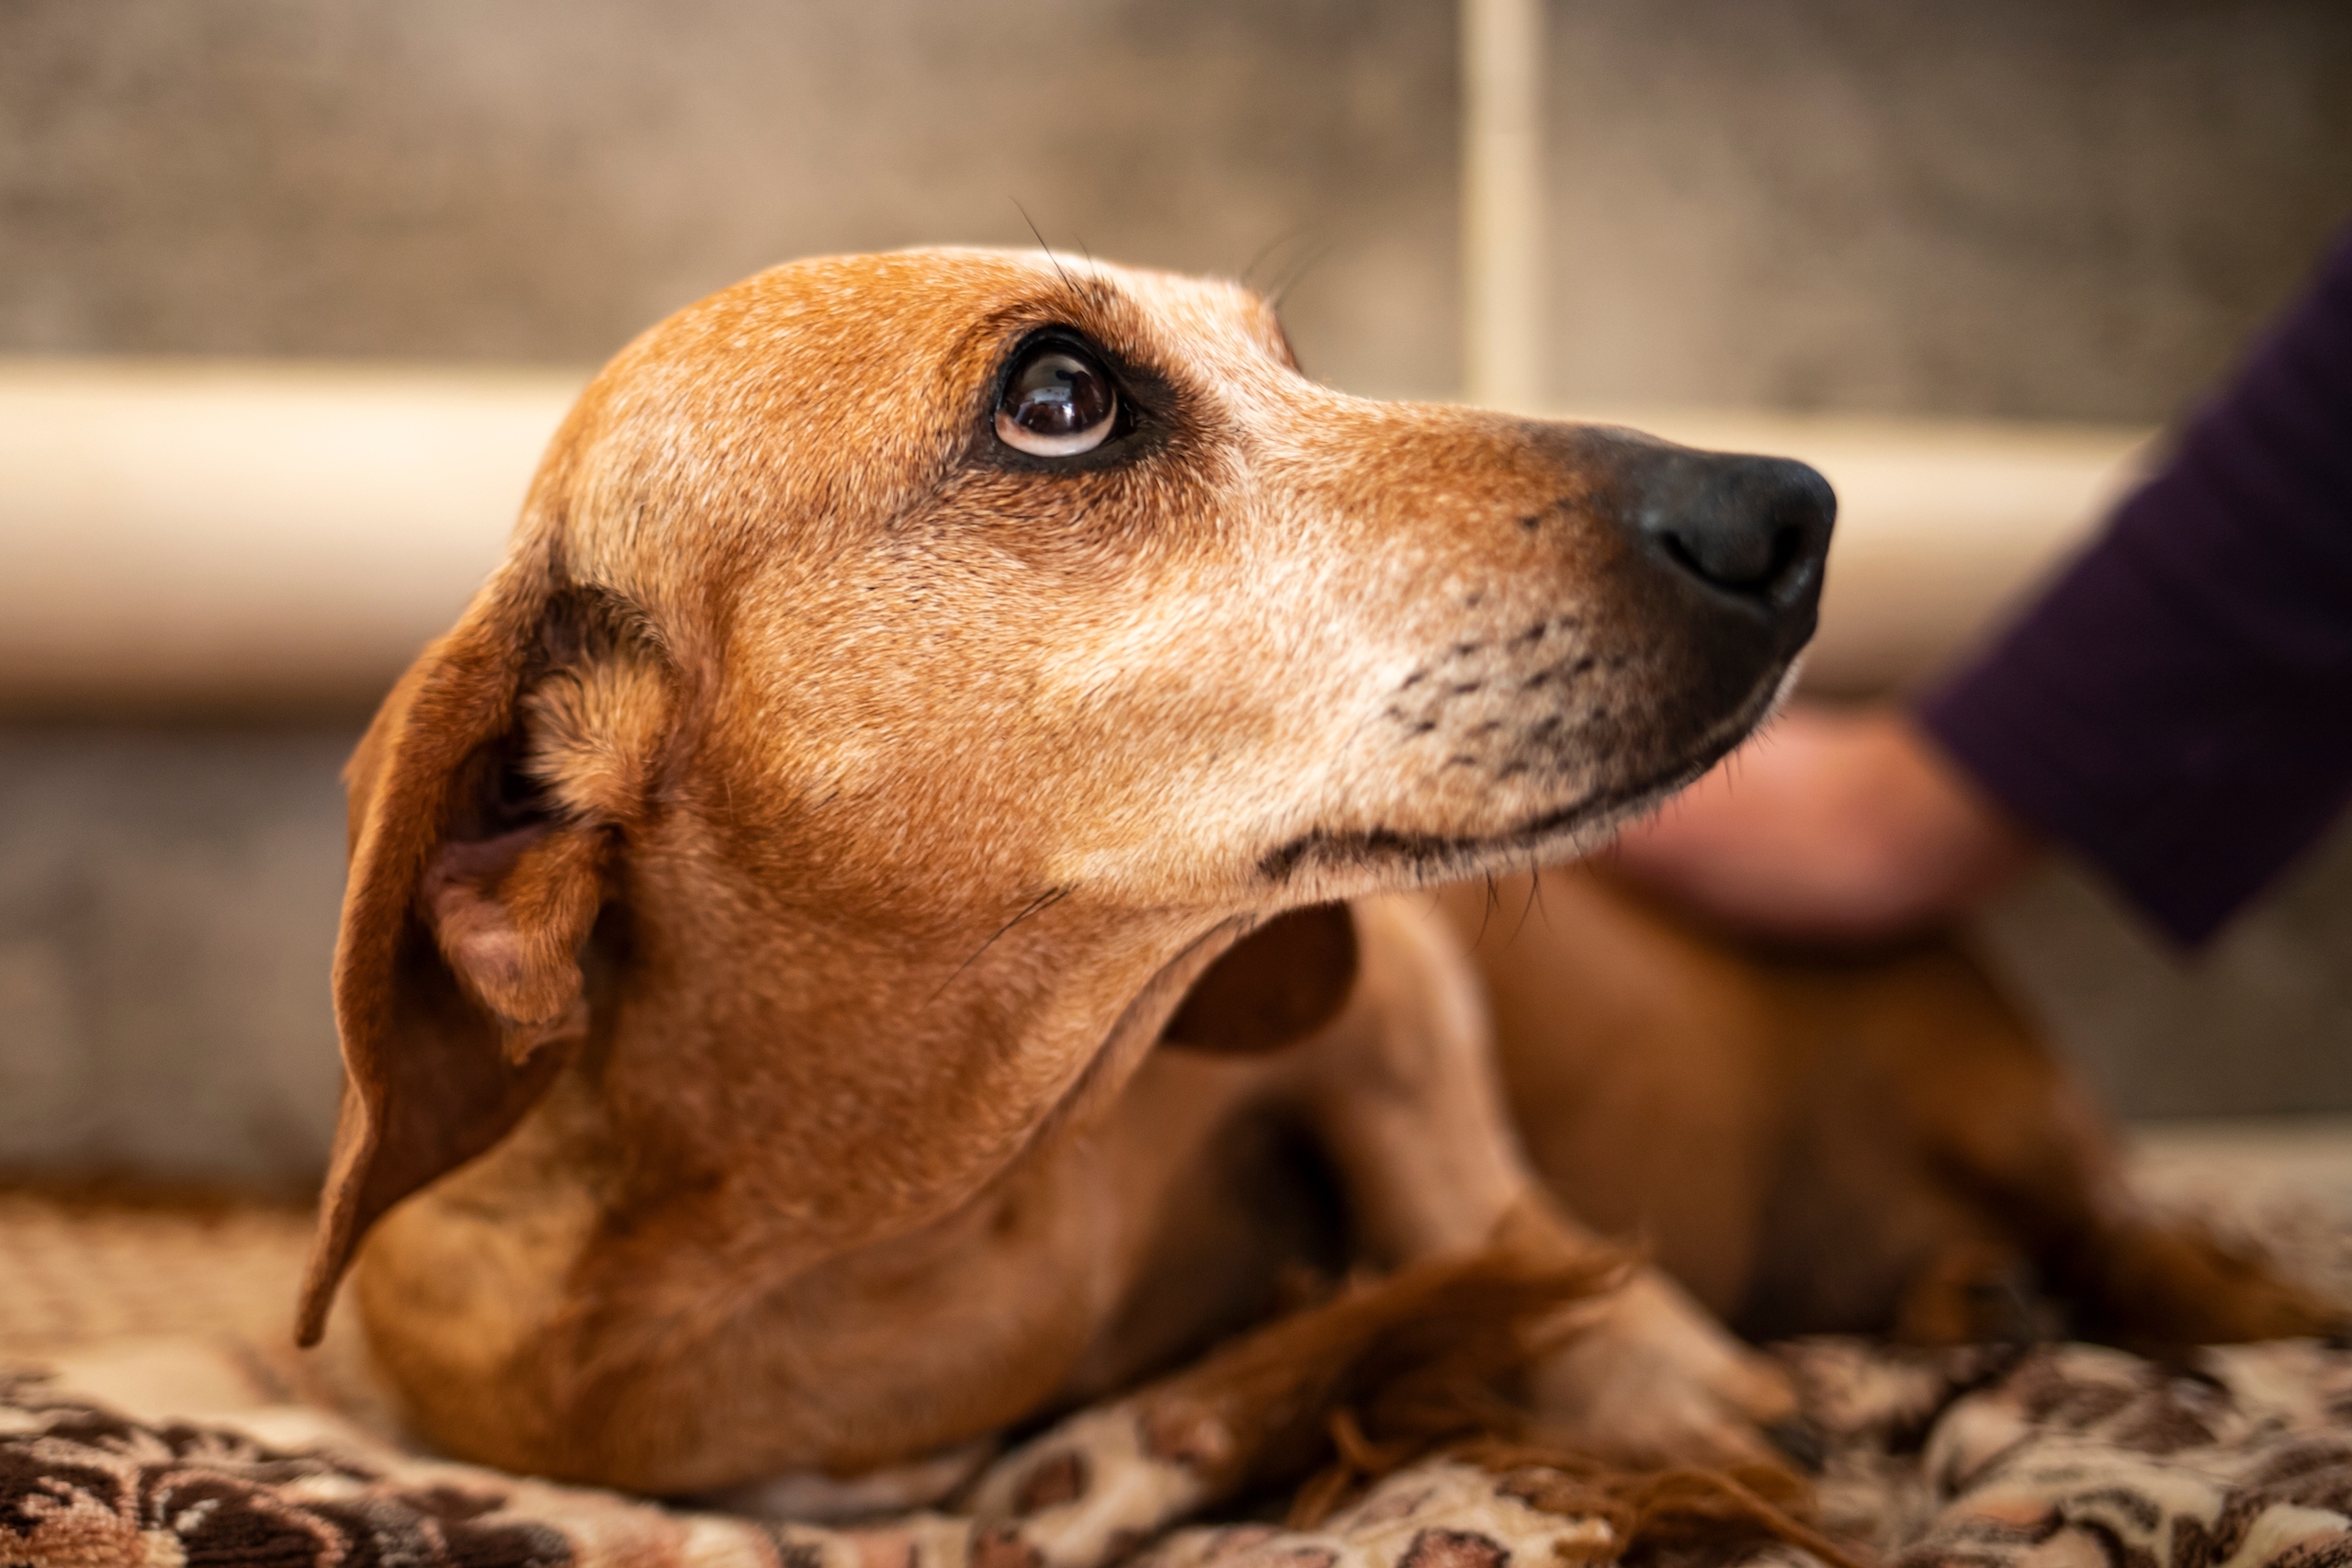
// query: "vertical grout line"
[[1502, 202]]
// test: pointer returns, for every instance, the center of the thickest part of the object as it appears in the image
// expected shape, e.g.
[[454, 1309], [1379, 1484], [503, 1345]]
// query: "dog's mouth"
[[1564, 831]]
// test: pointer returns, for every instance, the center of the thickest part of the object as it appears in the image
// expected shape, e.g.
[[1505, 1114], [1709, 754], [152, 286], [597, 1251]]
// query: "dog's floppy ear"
[[485, 802], [1281, 983]]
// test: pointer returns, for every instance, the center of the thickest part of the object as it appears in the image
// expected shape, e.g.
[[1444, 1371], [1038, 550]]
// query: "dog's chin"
[[1343, 863]]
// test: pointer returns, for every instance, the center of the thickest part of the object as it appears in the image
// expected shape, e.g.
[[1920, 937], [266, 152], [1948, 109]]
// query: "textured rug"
[[155, 1419]]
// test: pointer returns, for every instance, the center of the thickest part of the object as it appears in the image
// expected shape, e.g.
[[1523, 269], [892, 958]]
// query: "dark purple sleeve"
[[2177, 708]]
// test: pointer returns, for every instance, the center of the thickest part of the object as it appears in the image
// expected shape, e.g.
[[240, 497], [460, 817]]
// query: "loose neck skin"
[[781, 1134], [850, 1083]]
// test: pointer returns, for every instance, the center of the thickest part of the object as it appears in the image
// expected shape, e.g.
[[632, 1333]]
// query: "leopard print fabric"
[[2056, 1457]]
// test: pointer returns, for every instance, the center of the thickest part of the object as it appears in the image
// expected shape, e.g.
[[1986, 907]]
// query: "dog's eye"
[[1058, 403]]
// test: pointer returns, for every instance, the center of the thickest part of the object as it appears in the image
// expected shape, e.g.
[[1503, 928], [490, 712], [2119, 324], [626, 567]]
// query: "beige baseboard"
[[214, 535], [253, 534]]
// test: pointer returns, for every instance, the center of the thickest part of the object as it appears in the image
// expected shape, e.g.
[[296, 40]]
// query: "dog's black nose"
[[1754, 529]]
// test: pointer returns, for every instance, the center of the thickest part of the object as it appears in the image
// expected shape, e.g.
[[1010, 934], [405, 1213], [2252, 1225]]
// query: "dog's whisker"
[[1037, 905], [1298, 274], [1040, 236], [1093, 288], [1535, 885], [1266, 252], [1493, 901]]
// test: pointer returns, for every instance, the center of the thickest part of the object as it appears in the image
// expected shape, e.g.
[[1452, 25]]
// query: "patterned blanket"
[[216, 1445], [2058, 1457]]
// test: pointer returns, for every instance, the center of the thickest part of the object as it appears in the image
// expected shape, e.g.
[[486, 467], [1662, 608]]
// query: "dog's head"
[[986, 640]]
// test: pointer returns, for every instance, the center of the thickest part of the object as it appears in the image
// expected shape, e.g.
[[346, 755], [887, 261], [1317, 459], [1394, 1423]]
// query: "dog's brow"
[[1062, 301], [1101, 314]]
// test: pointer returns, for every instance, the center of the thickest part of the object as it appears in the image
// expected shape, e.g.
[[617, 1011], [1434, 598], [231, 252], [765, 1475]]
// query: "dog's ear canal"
[[1280, 983], [488, 803]]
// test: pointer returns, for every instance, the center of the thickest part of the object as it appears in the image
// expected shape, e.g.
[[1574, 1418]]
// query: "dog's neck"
[[786, 1055]]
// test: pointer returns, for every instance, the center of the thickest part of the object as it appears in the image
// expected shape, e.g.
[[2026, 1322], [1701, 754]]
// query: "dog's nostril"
[[1752, 527], [1679, 552], [1740, 558]]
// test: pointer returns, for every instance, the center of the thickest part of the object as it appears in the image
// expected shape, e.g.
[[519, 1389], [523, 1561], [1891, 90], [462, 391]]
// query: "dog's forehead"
[[941, 318], [963, 308], [1187, 316], [820, 390]]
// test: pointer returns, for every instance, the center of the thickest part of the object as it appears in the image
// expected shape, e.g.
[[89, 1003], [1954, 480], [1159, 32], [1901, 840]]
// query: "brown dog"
[[1816, 1144], [909, 676]]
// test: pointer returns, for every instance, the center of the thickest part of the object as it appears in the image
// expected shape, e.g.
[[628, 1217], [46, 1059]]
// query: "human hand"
[[1839, 826]]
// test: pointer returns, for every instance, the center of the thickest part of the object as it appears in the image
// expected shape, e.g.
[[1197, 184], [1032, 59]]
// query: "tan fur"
[[766, 900], [596, 734], [1824, 1143]]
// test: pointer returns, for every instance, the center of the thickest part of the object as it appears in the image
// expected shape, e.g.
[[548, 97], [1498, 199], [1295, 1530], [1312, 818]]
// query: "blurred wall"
[[2067, 208], [2041, 209], [167, 913], [538, 179]]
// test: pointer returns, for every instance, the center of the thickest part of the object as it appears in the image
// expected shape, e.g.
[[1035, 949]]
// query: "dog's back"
[[1872, 1143]]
